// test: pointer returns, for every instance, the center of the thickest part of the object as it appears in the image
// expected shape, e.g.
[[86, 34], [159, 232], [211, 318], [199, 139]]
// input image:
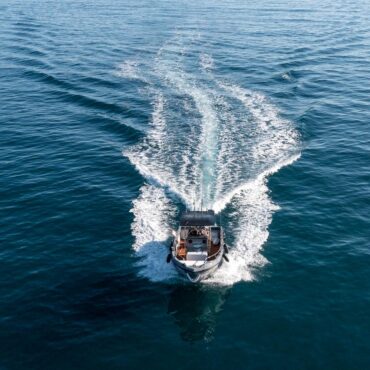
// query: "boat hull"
[[197, 274]]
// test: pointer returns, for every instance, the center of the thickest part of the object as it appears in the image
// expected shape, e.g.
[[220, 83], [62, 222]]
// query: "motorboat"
[[198, 247]]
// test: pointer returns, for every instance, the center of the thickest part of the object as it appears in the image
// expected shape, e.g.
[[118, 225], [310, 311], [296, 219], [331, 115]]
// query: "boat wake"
[[210, 143]]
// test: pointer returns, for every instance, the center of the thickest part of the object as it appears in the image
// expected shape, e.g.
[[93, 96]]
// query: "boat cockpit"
[[198, 243]]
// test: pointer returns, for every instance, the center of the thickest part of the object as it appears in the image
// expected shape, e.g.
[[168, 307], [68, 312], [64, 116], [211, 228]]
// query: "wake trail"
[[210, 143]]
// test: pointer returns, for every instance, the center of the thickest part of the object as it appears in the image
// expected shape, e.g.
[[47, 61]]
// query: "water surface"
[[117, 115]]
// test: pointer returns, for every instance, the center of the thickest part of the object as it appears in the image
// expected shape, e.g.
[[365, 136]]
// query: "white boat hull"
[[196, 274]]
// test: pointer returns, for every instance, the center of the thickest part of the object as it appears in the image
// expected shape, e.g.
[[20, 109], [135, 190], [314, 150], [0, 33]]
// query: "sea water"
[[116, 116]]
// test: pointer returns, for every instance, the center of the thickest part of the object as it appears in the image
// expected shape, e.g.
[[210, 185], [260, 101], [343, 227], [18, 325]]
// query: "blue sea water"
[[116, 115]]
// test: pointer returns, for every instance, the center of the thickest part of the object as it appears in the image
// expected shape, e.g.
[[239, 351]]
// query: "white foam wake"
[[151, 228], [128, 69], [252, 211], [206, 62], [213, 143]]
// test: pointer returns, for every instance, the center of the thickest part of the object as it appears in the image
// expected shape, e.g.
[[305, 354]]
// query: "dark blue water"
[[116, 115]]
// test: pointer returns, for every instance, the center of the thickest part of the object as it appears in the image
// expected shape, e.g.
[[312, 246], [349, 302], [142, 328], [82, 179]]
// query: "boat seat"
[[215, 237], [197, 256]]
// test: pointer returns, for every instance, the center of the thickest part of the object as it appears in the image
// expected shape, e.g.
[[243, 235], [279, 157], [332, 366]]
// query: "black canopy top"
[[198, 218]]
